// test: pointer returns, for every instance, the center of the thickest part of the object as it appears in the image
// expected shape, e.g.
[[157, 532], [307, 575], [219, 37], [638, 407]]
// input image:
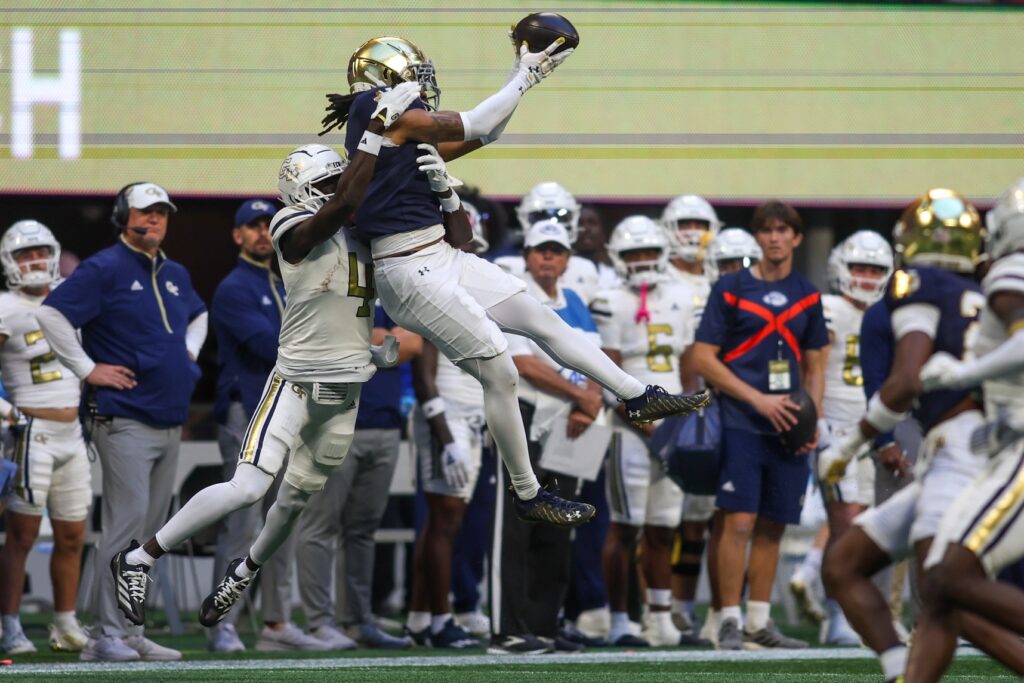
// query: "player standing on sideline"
[[457, 301], [645, 326], [53, 469], [310, 400], [549, 201], [981, 534], [860, 267], [933, 303], [592, 244], [762, 336]]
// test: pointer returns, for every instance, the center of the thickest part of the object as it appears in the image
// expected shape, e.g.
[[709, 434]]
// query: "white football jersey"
[[580, 275], [459, 387], [650, 350], [1007, 391], [699, 284], [844, 381], [325, 330], [33, 376]]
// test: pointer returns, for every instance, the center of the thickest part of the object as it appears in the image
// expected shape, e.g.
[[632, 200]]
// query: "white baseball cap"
[[145, 195], [543, 232]]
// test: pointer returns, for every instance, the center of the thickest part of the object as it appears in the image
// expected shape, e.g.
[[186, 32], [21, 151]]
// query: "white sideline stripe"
[[586, 658]]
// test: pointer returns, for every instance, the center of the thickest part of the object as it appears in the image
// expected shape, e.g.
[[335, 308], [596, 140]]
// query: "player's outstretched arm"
[[487, 120]]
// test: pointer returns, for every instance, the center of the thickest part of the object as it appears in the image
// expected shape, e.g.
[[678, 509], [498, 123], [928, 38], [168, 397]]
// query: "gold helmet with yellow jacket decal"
[[390, 60], [941, 229]]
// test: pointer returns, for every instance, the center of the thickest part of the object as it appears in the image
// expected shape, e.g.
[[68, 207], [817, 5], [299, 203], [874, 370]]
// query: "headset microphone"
[[139, 231]]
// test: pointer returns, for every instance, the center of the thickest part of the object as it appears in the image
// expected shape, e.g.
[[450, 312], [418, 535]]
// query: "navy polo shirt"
[[134, 311], [381, 398], [246, 317]]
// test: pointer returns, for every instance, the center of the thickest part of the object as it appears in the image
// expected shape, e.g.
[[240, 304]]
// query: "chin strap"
[[642, 314]]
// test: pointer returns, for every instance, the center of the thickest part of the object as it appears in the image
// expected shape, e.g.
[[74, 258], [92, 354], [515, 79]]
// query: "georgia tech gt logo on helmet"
[[941, 229], [390, 60]]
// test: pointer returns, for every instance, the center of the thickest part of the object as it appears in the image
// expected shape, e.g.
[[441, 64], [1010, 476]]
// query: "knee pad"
[[251, 482]]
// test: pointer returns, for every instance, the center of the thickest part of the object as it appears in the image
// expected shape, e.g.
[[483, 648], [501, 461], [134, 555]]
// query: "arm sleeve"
[[63, 341], [488, 119], [235, 316], [195, 335], [80, 298], [915, 317]]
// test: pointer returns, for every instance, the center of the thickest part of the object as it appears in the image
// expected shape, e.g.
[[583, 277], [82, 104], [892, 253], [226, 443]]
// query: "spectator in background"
[[592, 244], [530, 563], [761, 336], [247, 310], [142, 327], [341, 520]]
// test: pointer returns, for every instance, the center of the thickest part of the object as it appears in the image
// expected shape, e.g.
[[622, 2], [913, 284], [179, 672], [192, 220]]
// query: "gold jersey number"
[[364, 292], [36, 363], [659, 356], [852, 374]]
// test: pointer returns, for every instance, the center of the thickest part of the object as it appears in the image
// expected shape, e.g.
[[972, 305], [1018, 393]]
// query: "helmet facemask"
[[24, 235], [639, 272]]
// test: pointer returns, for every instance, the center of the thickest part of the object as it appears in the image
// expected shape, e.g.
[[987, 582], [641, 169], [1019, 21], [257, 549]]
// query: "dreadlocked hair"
[[337, 111]]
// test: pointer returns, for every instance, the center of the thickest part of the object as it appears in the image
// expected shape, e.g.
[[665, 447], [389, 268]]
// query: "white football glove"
[[942, 371], [394, 101], [456, 466], [433, 165], [536, 66]]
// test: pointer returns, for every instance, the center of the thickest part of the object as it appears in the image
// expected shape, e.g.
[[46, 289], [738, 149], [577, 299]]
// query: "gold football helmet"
[[942, 229], [390, 60]]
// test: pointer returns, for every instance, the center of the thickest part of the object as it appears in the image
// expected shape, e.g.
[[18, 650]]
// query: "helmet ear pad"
[[119, 216]]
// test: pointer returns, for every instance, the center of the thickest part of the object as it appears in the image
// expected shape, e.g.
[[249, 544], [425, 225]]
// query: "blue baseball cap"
[[252, 209]]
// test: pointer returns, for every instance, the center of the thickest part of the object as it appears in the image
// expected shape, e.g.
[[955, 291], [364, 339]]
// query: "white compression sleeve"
[[63, 341], [281, 519], [1005, 359], [485, 119], [195, 335]]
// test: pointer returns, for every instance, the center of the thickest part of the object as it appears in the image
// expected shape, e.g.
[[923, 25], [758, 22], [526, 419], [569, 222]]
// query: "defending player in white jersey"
[[982, 533], [308, 409], [933, 302], [448, 432], [53, 468], [551, 201], [645, 327], [859, 269]]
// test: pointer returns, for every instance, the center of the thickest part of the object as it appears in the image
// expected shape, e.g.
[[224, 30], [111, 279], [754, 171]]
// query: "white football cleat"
[[70, 639], [475, 622], [659, 630]]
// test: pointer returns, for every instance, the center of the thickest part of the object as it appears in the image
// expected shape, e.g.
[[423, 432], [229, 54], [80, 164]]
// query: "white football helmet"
[[550, 201], [1005, 222], [864, 247], [479, 240], [303, 168], [25, 235], [731, 244], [686, 243], [633, 233]]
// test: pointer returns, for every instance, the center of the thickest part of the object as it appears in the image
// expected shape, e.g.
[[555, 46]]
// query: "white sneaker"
[[659, 630], [71, 639], [290, 637], [709, 630], [475, 622], [224, 638], [595, 623], [150, 651], [108, 649], [16, 643], [333, 638]]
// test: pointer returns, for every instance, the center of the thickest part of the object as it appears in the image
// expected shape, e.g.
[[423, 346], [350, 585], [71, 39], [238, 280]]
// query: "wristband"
[[451, 204], [882, 417], [433, 407], [370, 143]]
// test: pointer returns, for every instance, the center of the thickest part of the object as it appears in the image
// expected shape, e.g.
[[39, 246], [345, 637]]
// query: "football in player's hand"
[[802, 433], [540, 29]]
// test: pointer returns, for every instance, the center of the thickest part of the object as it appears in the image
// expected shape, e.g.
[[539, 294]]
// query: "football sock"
[[522, 314], [619, 627], [499, 377], [757, 615], [659, 597], [11, 623], [213, 503], [812, 562], [894, 662], [65, 620], [417, 621], [140, 556], [244, 571], [437, 622], [733, 612], [281, 519]]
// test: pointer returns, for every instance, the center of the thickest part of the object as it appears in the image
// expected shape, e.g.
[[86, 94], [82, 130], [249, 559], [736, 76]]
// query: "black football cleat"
[[548, 508], [656, 403], [130, 582], [218, 603]]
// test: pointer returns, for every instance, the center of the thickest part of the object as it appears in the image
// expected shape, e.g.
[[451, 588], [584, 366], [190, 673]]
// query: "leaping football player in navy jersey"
[[456, 300]]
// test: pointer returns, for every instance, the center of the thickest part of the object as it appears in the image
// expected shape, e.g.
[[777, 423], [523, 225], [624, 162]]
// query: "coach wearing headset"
[[142, 326]]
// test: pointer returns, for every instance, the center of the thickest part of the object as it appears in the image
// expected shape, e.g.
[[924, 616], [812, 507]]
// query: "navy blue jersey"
[[959, 300], [399, 198], [756, 323], [877, 346]]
